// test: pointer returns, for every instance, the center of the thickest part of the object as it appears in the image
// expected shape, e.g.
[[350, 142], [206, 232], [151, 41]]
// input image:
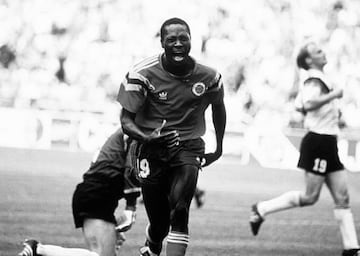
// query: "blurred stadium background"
[[61, 63]]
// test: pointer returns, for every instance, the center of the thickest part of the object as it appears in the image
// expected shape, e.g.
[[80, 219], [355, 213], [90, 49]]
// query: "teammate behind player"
[[164, 99], [94, 202], [199, 197], [318, 152]]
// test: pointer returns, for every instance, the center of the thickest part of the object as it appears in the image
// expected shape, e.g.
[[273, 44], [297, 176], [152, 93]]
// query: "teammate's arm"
[[314, 103]]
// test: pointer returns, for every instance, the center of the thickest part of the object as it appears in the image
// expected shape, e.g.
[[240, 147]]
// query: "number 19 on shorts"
[[144, 168], [320, 165]]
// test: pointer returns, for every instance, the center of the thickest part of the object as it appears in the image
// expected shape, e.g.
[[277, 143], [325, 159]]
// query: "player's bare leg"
[[157, 209], [35, 248], [181, 193], [288, 200], [337, 184], [100, 237]]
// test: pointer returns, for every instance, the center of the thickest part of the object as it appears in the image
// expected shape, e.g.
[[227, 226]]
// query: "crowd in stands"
[[72, 55]]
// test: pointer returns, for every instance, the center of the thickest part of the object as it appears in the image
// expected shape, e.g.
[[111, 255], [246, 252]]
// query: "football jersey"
[[156, 95], [110, 160], [324, 120]]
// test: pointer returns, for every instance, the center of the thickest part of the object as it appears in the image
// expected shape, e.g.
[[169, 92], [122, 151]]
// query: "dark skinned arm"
[[127, 120], [219, 122]]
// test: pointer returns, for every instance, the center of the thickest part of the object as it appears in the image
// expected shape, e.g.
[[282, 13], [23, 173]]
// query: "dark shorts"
[[155, 161], [319, 154], [96, 198]]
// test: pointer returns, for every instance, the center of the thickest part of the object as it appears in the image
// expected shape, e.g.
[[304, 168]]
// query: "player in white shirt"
[[319, 157]]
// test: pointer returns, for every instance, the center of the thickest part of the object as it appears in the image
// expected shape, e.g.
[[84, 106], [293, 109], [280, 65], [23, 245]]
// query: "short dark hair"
[[301, 57], [170, 22]]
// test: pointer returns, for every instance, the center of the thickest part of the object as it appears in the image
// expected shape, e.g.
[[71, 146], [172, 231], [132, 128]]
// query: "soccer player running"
[[318, 152], [164, 99], [94, 202]]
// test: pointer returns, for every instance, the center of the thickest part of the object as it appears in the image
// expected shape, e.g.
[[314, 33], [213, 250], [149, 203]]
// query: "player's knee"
[[342, 200], [308, 200], [180, 216], [91, 240], [99, 248], [94, 244]]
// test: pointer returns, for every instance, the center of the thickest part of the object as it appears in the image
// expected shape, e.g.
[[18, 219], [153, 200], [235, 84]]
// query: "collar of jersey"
[[175, 76]]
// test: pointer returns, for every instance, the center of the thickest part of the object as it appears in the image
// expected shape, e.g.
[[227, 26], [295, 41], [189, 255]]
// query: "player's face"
[[317, 56], [176, 43]]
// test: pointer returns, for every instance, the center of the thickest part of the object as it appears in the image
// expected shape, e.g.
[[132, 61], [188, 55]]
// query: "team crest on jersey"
[[198, 89], [163, 95]]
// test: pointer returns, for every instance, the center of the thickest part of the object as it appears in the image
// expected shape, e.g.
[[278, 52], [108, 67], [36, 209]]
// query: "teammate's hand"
[[120, 239], [338, 93], [126, 220], [169, 139], [209, 158]]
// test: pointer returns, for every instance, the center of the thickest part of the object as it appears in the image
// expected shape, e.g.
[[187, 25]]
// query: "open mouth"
[[178, 58]]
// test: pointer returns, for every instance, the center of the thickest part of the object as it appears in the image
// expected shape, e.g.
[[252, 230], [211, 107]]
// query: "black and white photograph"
[[178, 127]]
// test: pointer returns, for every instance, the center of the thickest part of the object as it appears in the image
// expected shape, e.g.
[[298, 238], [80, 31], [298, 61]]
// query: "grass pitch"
[[38, 205]]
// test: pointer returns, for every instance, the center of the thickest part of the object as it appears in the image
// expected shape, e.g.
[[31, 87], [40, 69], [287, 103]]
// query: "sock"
[[54, 250], [285, 201], [347, 228], [177, 243]]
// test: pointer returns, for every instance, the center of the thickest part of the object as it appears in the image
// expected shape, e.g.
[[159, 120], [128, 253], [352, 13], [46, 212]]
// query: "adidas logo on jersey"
[[163, 95]]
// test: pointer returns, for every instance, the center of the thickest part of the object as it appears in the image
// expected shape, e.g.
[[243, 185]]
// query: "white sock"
[[285, 201], [347, 228], [54, 250]]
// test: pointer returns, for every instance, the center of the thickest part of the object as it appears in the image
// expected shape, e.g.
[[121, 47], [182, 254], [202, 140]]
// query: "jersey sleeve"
[[131, 182], [310, 91], [216, 90], [132, 92]]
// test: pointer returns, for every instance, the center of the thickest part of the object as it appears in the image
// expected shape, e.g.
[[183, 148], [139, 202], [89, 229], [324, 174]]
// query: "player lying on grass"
[[95, 200]]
